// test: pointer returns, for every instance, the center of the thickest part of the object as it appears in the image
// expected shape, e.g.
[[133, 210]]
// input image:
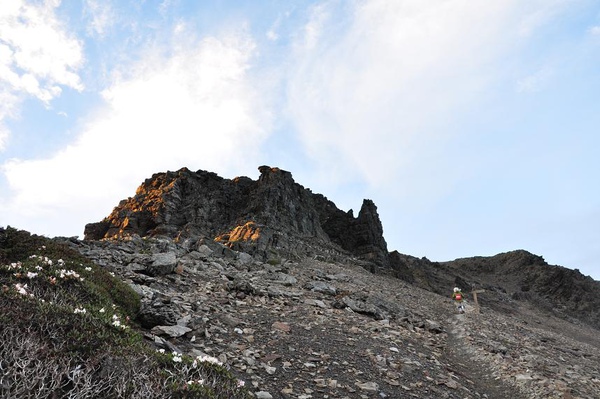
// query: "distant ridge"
[[508, 278]]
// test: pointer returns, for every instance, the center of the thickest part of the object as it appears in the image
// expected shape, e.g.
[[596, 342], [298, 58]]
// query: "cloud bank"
[[395, 77], [37, 57], [190, 104]]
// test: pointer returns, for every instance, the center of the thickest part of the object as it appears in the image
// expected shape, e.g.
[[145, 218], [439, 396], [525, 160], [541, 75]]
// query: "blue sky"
[[473, 126]]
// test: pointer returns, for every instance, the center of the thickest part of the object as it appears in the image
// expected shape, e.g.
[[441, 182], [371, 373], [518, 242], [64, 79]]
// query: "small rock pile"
[[318, 329]]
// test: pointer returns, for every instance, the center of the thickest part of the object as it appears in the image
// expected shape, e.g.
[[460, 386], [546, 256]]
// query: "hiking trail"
[[473, 377]]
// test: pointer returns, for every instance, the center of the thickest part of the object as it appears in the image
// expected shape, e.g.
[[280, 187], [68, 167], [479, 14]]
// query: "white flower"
[[176, 357], [89, 269], [21, 289], [14, 266], [80, 310], [116, 323], [31, 275], [102, 310], [240, 383], [209, 359], [68, 274], [161, 350]]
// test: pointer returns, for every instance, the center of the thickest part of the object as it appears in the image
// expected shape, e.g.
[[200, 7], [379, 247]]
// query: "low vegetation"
[[68, 330]]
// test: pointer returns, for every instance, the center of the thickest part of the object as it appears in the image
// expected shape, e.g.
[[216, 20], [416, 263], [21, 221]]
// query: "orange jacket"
[[458, 296]]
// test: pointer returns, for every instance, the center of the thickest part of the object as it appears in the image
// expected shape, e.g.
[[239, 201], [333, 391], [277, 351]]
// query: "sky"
[[473, 126]]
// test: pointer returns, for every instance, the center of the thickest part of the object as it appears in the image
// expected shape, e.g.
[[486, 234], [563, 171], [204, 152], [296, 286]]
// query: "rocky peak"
[[272, 216], [370, 239], [274, 175]]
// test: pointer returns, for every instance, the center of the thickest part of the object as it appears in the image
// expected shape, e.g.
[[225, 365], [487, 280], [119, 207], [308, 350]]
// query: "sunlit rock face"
[[273, 214]]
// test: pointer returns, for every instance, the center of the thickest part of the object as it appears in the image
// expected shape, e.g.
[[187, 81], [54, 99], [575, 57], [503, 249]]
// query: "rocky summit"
[[298, 299], [271, 215]]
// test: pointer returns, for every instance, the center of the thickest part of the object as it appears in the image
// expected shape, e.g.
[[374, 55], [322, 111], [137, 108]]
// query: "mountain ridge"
[[300, 304], [274, 217]]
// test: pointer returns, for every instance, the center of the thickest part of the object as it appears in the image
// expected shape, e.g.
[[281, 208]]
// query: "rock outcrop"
[[273, 216]]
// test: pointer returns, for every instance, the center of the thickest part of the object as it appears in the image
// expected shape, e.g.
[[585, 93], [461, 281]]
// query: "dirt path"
[[475, 378]]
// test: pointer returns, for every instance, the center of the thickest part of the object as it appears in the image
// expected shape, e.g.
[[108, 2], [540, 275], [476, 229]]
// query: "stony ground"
[[313, 329]]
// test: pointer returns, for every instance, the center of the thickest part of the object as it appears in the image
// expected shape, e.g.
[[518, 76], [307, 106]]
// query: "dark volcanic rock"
[[266, 218], [362, 236]]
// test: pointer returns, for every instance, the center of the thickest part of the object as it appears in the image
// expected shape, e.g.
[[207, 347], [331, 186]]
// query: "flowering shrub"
[[66, 331]]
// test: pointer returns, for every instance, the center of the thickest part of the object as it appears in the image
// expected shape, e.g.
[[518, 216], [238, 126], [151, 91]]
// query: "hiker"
[[458, 297]]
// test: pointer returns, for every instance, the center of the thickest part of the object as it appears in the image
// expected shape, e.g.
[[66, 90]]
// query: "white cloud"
[[273, 32], [595, 30], [102, 16], [534, 82], [37, 57], [166, 4], [3, 136], [8, 101], [383, 92], [196, 107], [272, 35], [313, 30], [40, 46], [537, 13]]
